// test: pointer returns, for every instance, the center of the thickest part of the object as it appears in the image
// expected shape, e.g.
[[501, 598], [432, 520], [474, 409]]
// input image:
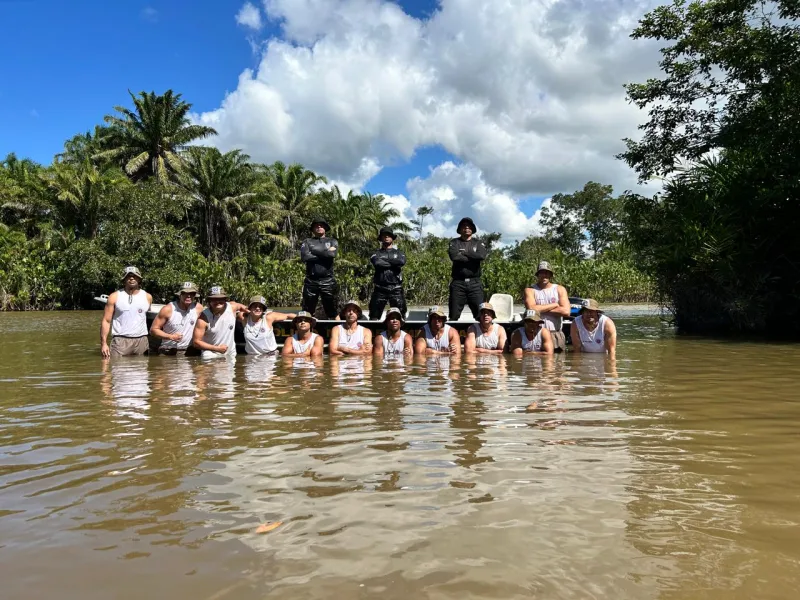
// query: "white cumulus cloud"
[[527, 94], [249, 16]]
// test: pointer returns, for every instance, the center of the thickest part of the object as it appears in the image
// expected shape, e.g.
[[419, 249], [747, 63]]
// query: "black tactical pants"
[[381, 295], [465, 291], [326, 289]]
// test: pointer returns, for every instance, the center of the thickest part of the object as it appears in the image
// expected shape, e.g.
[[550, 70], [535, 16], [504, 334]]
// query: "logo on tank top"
[[230, 326], [140, 311], [263, 330], [191, 321]]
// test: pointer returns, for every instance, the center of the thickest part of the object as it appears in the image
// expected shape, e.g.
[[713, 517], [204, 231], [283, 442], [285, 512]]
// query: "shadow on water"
[[670, 473]]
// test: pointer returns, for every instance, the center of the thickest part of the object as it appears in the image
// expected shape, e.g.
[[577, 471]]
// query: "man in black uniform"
[[467, 255], [388, 261], [319, 252]]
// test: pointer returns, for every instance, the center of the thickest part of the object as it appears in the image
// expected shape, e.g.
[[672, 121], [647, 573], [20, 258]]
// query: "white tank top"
[[487, 341], [592, 341], [441, 344], [299, 347], [351, 340], [259, 338], [220, 330], [392, 347], [534, 345], [548, 296], [130, 314], [180, 322]]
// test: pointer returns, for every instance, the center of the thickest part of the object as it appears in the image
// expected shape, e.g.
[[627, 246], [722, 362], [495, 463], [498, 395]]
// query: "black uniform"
[[388, 281], [319, 254], [466, 286]]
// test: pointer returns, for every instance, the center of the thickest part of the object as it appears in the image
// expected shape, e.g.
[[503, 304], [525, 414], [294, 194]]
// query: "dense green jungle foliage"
[[187, 212], [723, 132]]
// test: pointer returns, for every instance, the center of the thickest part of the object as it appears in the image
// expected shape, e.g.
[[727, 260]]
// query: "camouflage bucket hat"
[[544, 266]]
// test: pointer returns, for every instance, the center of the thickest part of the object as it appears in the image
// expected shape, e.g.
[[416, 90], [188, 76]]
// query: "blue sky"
[[472, 107], [73, 61]]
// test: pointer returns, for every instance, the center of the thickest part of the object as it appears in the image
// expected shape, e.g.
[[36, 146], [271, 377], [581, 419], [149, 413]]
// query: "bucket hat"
[[395, 311], [258, 300], [435, 311], [304, 315], [386, 231], [187, 287], [532, 315], [544, 266], [216, 291], [590, 304], [351, 303], [321, 221], [131, 271], [466, 221], [489, 307]]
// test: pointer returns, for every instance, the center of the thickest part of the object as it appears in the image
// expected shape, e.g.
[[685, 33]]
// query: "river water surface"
[[673, 473]]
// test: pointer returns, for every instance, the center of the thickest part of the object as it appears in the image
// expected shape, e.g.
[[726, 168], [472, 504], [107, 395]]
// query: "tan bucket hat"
[[435, 311], [544, 266], [131, 271], [489, 307], [216, 291], [187, 287], [351, 303], [590, 304], [258, 300], [395, 311], [303, 314], [532, 315]]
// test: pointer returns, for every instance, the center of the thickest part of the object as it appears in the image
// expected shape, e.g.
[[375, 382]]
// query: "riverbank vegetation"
[[720, 241], [136, 191]]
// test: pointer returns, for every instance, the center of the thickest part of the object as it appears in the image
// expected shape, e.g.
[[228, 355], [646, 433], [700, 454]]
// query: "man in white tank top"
[[174, 324], [125, 316], [216, 326], [533, 337], [304, 342], [394, 341], [350, 337], [593, 331], [259, 335], [485, 336], [550, 301], [437, 337]]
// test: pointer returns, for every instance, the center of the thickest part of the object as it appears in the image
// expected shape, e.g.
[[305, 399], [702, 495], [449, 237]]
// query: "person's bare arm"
[[563, 309], [454, 342], [105, 324], [287, 347], [157, 328], [317, 348], [279, 316], [197, 337], [530, 302], [469, 342], [516, 344], [367, 348], [239, 308], [610, 332], [420, 345], [408, 345], [378, 348], [575, 336], [502, 338], [333, 344], [547, 343]]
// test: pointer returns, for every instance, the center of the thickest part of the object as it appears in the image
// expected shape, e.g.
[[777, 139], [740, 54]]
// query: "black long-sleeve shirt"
[[466, 257], [319, 254], [388, 264]]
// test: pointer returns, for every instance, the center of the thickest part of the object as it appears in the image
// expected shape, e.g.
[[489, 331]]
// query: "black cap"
[[321, 221], [386, 231], [466, 221]]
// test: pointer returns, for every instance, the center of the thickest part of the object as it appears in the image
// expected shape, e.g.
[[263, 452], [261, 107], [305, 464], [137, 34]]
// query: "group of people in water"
[[186, 325]]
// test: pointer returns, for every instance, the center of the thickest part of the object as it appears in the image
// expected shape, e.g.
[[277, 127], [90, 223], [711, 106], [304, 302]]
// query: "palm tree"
[[82, 192], [233, 215], [297, 197], [147, 140], [422, 212]]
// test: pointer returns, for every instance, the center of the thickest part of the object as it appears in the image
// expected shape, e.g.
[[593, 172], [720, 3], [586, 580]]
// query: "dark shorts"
[[190, 351], [125, 346]]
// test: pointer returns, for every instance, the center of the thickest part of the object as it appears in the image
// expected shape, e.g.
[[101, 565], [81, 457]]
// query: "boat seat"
[[503, 306], [417, 314]]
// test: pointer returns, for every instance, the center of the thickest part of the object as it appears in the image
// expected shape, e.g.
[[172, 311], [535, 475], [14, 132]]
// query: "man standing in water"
[[593, 331], [174, 324], [467, 255], [532, 337], [350, 337], [304, 342], [215, 328], [319, 252], [437, 337], [485, 336], [551, 302], [394, 341], [125, 316], [388, 261]]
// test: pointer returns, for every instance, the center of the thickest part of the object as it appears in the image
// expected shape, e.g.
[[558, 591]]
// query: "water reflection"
[[671, 472]]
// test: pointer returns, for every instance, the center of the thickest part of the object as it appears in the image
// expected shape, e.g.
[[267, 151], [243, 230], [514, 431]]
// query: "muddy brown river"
[[674, 473]]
